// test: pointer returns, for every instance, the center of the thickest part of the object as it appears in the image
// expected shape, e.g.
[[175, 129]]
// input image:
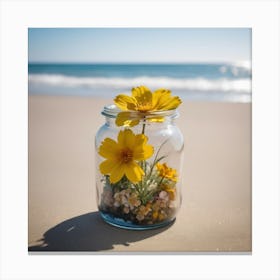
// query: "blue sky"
[[142, 45]]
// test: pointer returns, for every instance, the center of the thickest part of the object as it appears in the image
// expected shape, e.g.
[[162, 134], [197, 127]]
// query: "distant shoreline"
[[133, 63]]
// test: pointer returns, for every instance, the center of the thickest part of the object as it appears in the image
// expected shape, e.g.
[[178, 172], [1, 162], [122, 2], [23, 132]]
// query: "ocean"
[[196, 82]]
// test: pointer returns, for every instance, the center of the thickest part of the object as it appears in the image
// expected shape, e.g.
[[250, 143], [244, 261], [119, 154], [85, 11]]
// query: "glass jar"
[[138, 169]]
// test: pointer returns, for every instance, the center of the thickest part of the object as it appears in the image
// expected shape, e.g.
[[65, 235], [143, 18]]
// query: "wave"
[[245, 64], [237, 69], [194, 84]]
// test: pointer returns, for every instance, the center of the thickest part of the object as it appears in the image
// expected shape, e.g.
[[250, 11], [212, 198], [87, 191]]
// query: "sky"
[[138, 45]]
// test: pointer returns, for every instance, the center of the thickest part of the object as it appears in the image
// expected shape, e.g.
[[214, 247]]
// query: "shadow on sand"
[[89, 232]]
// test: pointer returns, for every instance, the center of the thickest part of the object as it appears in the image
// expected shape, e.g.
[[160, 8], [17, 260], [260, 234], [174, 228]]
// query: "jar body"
[[153, 199]]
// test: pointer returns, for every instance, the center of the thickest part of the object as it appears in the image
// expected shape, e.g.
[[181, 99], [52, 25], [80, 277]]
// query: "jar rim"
[[112, 111]]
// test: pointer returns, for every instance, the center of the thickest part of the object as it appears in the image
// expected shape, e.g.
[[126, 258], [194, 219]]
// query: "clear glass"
[[153, 201]]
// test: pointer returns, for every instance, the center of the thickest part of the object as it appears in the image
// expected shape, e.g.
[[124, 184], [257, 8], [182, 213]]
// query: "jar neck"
[[159, 118], [111, 121]]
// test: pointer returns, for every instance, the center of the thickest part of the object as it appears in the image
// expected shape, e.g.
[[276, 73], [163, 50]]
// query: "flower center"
[[144, 107], [126, 155]]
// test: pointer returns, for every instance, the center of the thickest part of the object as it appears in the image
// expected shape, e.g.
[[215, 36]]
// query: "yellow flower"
[[122, 156], [142, 102], [167, 172]]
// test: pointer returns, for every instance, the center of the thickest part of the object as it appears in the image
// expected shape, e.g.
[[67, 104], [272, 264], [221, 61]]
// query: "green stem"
[[143, 132], [144, 125], [160, 181], [156, 158]]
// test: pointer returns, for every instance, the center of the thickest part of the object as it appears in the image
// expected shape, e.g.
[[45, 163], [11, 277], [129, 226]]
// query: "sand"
[[216, 212]]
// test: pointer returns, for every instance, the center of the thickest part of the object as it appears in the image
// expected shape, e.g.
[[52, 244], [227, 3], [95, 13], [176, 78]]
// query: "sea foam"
[[187, 84]]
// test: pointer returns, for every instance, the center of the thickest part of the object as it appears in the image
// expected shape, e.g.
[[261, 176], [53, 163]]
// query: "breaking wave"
[[187, 84]]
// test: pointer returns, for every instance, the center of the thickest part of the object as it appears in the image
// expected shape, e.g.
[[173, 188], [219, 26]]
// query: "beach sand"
[[216, 211]]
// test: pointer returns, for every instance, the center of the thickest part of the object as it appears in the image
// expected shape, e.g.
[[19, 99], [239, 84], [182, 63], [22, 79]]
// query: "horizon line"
[[137, 62]]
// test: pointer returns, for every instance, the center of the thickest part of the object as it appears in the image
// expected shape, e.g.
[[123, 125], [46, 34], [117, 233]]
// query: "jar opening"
[[112, 111]]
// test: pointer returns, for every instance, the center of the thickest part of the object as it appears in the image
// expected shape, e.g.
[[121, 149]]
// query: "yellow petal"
[[129, 139], [126, 139], [141, 149], [141, 91], [108, 148], [140, 139], [133, 172], [156, 119], [113, 168], [171, 103], [167, 172], [144, 97], [148, 151], [107, 166], [159, 96], [125, 102], [159, 166], [117, 173], [126, 119], [142, 153], [162, 100]]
